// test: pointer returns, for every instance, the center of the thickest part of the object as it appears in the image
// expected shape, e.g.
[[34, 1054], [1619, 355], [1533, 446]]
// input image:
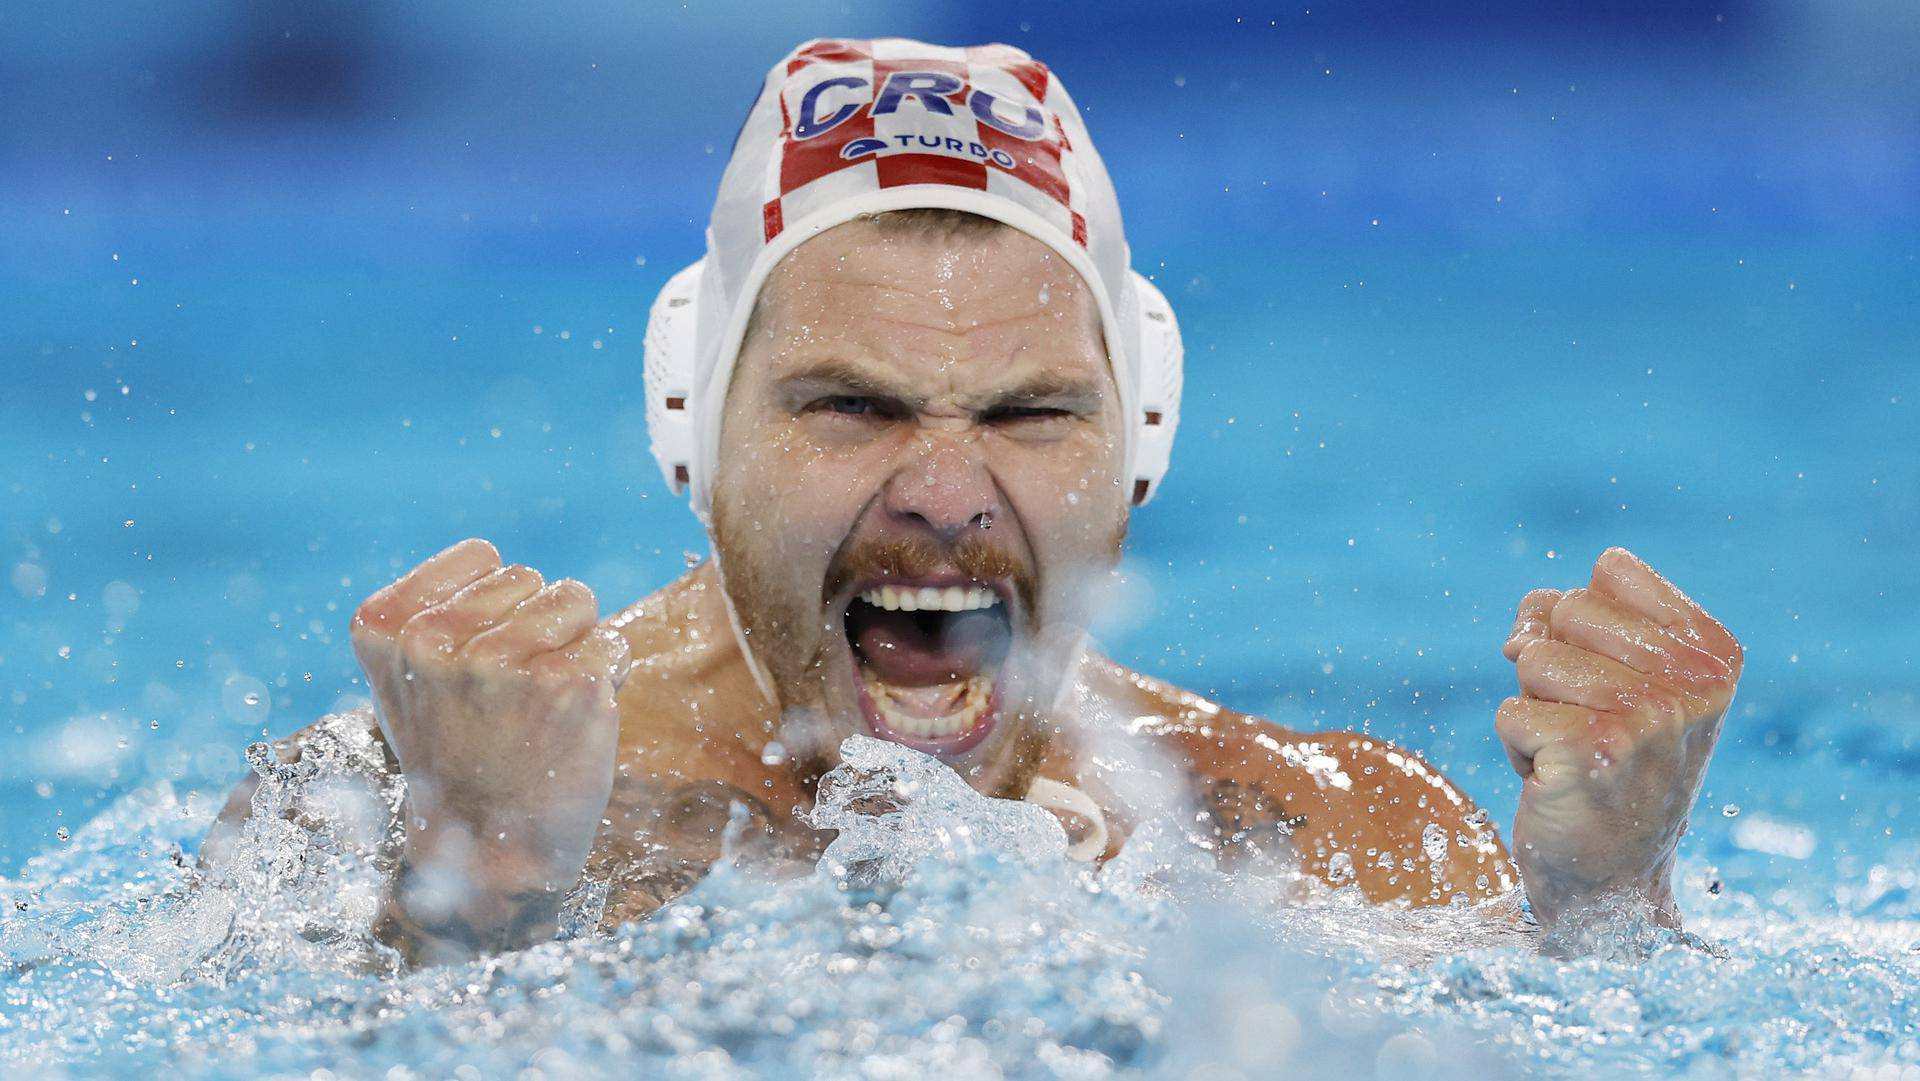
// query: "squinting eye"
[[849, 405], [1023, 412]]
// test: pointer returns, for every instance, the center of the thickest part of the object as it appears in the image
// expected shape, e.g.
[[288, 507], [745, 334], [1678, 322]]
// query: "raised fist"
[[495, 691]]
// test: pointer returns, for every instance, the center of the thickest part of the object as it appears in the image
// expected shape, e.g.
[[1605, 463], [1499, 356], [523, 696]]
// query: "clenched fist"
[[1623, 688], [495, 691]]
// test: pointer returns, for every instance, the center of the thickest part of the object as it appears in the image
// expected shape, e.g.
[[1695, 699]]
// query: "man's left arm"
[[1624, 685]]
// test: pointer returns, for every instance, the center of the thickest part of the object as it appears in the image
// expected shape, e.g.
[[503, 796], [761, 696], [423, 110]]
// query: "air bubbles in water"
[[773, 754], [62, 833], [1731, 810]]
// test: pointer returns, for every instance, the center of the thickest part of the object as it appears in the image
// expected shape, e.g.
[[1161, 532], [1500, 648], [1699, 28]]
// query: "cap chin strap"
[[760, 679], [1061, 797]]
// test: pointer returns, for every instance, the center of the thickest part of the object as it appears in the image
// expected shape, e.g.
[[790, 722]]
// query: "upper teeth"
[[930, 599]]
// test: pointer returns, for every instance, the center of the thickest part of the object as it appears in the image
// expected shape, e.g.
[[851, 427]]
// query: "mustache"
[[975, 556]]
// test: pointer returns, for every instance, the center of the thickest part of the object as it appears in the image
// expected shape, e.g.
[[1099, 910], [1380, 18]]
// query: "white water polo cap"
[[844, 128]]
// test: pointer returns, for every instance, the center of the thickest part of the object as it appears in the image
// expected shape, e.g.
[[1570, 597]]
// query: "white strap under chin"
[[1058, 796]]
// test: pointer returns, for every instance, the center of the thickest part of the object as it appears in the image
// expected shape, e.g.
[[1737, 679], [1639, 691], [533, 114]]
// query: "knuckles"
[[1510, 716], [1731, 654], [574, 596], [1567, 610], [430, 636]]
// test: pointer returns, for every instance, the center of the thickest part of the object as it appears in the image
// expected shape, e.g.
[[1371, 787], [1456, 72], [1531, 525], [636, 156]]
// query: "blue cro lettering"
[[1033, 127], [930, 88], [810, 124]]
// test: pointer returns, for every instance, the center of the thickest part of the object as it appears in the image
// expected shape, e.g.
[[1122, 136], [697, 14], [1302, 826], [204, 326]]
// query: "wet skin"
[[948, 396]]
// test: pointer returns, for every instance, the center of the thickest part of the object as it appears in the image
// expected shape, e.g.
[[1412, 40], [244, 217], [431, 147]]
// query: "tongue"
[[925, 652], [940, 700]]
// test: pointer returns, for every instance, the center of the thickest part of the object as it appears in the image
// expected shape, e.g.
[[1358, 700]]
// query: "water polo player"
[[915, 391]]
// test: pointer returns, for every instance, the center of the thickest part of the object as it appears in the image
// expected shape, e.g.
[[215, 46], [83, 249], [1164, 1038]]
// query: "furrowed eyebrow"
[[833, 377], [839, 377], [1063, 392]]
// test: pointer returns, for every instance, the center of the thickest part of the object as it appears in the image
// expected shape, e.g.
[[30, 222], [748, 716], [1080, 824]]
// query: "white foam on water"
[[943, 934]]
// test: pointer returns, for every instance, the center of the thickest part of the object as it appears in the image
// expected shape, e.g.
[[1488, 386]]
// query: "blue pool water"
[[1468, 308]]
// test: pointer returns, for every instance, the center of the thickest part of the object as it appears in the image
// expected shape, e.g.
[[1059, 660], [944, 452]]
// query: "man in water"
[[916, 391]]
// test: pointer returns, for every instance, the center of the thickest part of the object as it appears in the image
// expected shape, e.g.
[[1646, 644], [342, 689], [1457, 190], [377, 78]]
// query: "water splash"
[[895, 807], [942, 935]]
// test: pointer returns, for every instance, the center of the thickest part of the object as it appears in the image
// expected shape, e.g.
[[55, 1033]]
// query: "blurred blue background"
[[294, 294]]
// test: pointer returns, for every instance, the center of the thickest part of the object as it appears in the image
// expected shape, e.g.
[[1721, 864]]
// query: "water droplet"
[[62, 833], [260, 757], [1340, 868], [773, 754], [1714, 887], [1731, 810]]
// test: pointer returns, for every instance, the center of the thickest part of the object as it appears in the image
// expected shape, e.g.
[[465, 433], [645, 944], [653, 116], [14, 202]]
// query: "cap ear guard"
[[670, 361], [1161, 373]]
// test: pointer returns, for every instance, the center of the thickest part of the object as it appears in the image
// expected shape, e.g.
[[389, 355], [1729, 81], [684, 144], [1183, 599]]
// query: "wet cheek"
[[817, 492], [1072, 490], [1072, 511]]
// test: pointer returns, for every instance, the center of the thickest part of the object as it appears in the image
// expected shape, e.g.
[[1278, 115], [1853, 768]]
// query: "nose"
[[944, 486]]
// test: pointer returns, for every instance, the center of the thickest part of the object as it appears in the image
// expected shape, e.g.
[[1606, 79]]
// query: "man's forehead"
[[957, 283]]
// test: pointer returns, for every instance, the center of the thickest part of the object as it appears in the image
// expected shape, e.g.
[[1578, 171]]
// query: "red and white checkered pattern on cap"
[[843, 128], [926, 137]]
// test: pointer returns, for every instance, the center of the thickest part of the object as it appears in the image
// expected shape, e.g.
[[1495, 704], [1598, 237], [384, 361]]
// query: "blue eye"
[[850, 405]]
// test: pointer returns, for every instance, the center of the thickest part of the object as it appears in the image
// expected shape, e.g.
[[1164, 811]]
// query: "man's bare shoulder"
[[1221, 741], [673, 629], [690, 697], [1347, 798], [1179, 717]]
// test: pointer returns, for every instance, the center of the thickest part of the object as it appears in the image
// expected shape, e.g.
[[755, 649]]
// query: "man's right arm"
[[494, 693]]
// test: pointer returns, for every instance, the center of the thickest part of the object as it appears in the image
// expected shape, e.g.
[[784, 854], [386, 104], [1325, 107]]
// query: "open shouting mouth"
[[927, 657]]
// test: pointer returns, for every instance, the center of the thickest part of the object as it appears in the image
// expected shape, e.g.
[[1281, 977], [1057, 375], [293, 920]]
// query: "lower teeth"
[[973, 700]]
